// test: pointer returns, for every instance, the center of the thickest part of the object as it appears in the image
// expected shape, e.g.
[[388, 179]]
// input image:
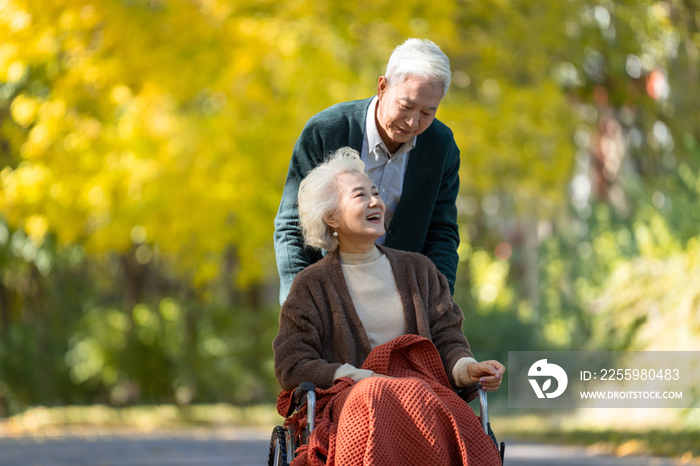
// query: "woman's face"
[[359, 220]]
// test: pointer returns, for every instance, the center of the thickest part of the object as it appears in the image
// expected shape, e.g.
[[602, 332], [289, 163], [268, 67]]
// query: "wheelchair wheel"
[[278, 448]]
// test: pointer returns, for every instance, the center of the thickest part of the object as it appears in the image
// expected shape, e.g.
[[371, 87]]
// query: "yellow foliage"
[[23, 110], [180, 117], [489, 281], [36, 227]]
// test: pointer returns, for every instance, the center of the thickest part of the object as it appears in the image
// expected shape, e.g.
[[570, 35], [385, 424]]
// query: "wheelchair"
[[283, 445]]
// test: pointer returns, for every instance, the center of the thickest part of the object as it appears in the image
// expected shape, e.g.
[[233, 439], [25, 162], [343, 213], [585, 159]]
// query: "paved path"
[[551, 455], [230, 447]]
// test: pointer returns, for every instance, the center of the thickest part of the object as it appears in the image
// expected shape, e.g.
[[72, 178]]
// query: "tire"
[[278, 448]]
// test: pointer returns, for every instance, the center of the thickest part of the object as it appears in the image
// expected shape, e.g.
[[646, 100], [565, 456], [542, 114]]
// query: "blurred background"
[[144, 146]]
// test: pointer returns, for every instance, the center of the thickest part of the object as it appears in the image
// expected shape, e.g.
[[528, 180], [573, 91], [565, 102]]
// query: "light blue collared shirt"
[[386, 170]]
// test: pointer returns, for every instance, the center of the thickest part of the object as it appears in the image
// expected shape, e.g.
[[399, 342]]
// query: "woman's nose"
[[377, 201]]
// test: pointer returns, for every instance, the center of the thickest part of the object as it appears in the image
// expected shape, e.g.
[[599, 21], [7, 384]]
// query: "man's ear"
[[382, 86]]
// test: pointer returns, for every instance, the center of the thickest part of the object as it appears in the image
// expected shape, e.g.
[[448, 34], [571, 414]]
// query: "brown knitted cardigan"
[[320, 329]]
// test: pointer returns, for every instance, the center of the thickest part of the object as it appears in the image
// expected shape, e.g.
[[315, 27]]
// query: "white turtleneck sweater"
[[372, 287]]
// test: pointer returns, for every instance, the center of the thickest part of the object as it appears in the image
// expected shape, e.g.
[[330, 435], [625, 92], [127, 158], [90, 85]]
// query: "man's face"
[[405, 109]]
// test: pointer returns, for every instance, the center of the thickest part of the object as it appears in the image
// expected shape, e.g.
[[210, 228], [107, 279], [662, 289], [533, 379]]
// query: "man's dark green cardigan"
[[425, 220]]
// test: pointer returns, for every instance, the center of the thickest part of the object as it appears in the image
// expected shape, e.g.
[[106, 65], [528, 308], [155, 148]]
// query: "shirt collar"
[[374, 139]]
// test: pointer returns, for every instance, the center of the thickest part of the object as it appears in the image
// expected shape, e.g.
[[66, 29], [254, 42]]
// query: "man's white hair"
[[319, 196], [419, 58]]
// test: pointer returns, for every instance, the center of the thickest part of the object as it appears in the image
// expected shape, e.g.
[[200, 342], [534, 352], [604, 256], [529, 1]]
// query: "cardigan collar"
[[407, 297]]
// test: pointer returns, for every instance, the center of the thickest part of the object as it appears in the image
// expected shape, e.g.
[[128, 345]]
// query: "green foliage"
[[590, 275], [167, 354], [74, 343]]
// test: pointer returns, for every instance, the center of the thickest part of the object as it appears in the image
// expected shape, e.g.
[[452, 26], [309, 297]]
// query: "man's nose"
[[412, 120]]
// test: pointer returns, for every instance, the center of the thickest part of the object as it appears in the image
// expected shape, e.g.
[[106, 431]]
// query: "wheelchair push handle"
[[484, 410], [470, 393]]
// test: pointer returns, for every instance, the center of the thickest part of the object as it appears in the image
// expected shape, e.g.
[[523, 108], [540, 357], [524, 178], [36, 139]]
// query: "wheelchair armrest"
[[299, 396], [469, 393]]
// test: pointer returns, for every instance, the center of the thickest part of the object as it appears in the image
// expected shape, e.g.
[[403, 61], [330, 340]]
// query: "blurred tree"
[[144, 146], [634, 191]]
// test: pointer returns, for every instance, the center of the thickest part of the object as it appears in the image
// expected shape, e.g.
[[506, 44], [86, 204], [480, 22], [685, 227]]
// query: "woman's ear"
[[331, 221]]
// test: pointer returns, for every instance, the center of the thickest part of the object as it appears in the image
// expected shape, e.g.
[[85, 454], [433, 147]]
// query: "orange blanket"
[[414, 418]]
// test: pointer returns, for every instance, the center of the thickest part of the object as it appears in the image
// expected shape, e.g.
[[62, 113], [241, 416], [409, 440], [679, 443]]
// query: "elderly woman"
[[354, 319]]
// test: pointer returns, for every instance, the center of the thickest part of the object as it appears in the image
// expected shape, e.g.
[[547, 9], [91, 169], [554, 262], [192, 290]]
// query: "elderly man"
[[410, 156]]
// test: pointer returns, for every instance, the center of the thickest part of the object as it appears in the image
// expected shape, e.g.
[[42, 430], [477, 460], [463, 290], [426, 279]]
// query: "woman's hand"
[[489, 374]]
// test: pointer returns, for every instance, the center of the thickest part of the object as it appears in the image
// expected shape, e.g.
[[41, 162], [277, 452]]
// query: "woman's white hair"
[[419, 58], [319, 196]]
